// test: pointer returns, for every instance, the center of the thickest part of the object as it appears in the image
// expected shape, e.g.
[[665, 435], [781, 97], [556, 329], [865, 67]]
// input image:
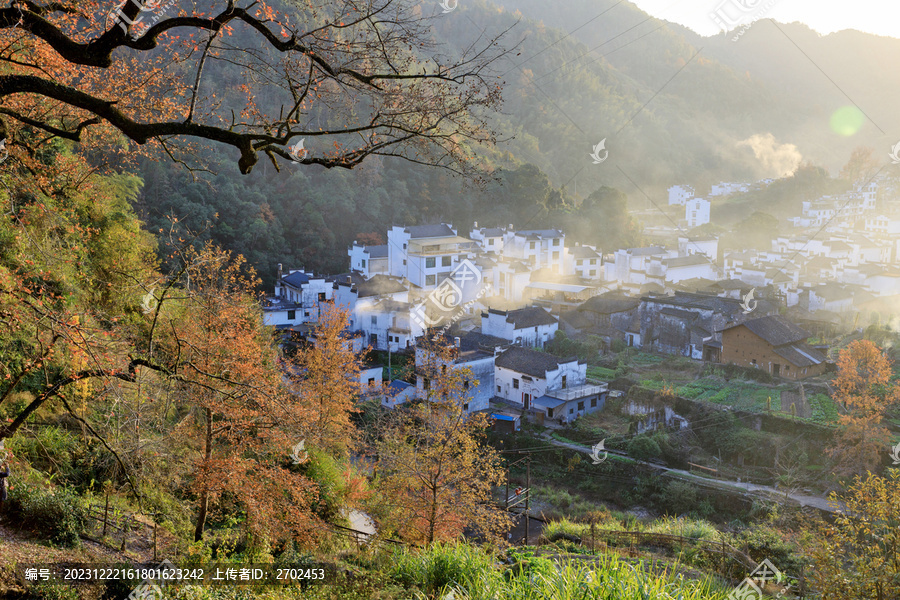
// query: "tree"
[[863, 386], [352, 80], [861, 166], [435, 469], [857, 557]]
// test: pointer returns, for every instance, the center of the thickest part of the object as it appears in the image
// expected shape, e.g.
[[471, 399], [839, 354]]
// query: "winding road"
[[764, 492]]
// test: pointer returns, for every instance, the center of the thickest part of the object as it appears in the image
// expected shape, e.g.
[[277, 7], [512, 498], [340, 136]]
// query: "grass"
[[601, 373]]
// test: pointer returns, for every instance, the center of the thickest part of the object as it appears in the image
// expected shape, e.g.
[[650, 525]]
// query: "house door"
[[526, 400], [776, 370]]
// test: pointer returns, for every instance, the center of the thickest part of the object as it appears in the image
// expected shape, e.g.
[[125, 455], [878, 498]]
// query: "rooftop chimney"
[[474, 224], [279, 271], [456, 342], [510, 228]]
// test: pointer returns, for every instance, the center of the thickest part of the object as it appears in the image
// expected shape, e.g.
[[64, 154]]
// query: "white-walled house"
[[425, 255], [369, 260], [707, 246], [379, 307], [530, 327], [584, 261], [556, 387], [489, 238], [470, 350], [696, 266], [537, 248], [696, 212], [299, 297], [679, 194]]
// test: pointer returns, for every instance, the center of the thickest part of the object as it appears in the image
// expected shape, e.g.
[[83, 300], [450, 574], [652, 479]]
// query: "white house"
[[369, 260], [706, 245], [679, 194], [298, 298], [425, 255], [724, 188], [470, 350], [584, 261], [558, 388], [531, 327], [537, 248], [379, 307], [696, 212], [489, 238]]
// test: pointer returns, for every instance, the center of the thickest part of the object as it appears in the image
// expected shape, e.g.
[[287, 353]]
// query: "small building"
[[774, 345], [368, 260], [398, 392], [531, 327]]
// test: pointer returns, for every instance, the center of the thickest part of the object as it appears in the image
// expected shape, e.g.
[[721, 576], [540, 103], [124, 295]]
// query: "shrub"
[[55, 513], [442, 565], [643, 447], [678, 497]]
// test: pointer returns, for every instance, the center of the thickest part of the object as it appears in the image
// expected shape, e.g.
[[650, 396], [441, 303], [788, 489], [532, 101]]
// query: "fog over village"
[[449, 300]]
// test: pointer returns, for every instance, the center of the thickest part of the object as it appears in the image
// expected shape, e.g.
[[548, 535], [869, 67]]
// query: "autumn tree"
[[861, 165], [857, 557], [349, 80], [435, 470], [864, 388]]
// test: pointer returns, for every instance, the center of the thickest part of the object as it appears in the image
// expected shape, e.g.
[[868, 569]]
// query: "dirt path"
[[761, 491]]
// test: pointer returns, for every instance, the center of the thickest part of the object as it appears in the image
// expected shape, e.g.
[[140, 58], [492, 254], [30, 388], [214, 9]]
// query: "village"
[[499, 295]]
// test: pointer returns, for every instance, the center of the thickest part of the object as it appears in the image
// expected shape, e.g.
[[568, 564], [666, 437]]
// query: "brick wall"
[[742, 347]]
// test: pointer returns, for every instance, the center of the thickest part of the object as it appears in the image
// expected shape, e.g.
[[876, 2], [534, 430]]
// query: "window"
[[556, 242], [498, 389], [430, 279], [444, 369], [374, 320], [404, 246], [531, 246], [429, 262], [363, 263], [425, 383], [593, 261], [466, 406], [593, 403], [581, 405], [564, 381], [292, 314], [371, 381], [571, 410], [445, 261], [466, 384], [580, 262], [490, 242], [321, 296], [549, 413], [556, 256], [404, 262], [515, 383], [592, 273]]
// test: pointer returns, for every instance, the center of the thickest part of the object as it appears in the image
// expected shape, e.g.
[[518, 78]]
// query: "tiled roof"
[[423, 231], [378, 285], [490, 232], [610, 302], [377, 251], [686, 261], [801, 355], [532, 316], [529, 362], [584, 252], [296, 279], [776, 330]]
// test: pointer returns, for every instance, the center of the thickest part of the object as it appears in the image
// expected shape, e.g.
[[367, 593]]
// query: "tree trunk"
[[204, 495], [433, 517]]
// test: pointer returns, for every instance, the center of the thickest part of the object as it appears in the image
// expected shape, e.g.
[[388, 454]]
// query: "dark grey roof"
[[681, 314], [531, 316], [474, 340], [491, 232], [296, 279], [544, 233], [575, 319], [801, 355], [686, 261], [530, 362], [608, 303], [646, 251], [732, 284], [378, 285], [584, 252], [547, 402], [421, 231], [377, 251], [775, 329]]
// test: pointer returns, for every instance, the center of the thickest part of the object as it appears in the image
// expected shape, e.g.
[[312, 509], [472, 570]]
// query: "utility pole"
[[527, 496]]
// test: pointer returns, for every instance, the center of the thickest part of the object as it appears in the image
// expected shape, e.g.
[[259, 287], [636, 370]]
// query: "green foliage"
[[56, 513], [681, 497], [441, 565], [52, 591], [643, 447], [563, 346]]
